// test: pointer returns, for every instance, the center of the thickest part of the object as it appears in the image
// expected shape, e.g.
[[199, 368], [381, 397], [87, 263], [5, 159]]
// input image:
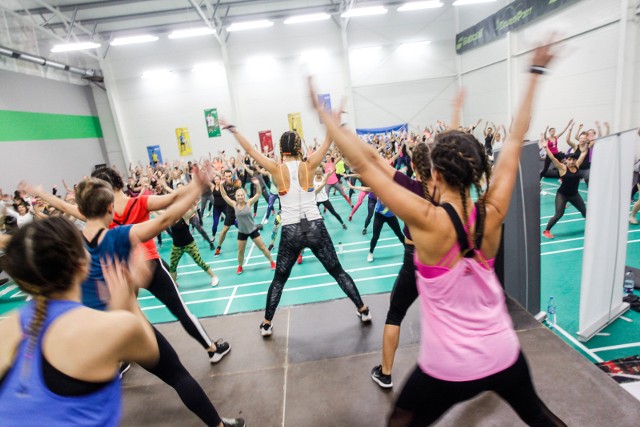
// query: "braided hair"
[[290, 144], [462, 161], [43, 258], [421, 158]]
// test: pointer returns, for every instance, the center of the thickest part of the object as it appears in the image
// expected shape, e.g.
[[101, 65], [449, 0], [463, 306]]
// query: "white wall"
[[582, 84]]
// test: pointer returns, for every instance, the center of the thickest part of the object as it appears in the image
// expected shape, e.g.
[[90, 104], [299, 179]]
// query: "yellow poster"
[[184, 142], [295, 123]]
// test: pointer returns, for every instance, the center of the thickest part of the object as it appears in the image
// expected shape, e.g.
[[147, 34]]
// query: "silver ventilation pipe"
[[84, 72]]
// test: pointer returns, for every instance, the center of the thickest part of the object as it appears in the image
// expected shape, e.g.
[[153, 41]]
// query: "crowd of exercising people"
[[83, 257]]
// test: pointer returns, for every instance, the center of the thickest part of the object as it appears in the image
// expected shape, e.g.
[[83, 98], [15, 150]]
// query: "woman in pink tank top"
[[468, 343]]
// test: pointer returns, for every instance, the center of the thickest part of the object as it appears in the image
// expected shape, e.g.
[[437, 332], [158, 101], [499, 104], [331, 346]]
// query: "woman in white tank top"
[[302, 224]]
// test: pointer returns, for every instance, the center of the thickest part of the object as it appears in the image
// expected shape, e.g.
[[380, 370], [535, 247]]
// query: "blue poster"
[[155, 155], [324, 99]]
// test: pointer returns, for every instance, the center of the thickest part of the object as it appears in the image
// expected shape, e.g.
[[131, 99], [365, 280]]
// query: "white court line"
[[580, 248], [19, 294], [616, 347], [579, 344], [265, 282], [301, 288], [267, 262], [233, 294], [8, 289], [275, 254], [565, 221], [567, 214], [577, 238], [557, 186]]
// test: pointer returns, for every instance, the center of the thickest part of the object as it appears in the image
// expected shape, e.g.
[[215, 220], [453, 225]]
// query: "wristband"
[[538, 69], [231, 128]]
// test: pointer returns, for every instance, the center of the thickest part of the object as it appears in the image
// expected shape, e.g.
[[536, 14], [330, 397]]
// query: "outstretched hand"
[[545, 53]]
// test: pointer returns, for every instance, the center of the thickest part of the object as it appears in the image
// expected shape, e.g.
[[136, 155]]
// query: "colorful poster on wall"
[[266, 141], [155, 155], [324, 99], [295, 123], [211, 119], [184, 142]]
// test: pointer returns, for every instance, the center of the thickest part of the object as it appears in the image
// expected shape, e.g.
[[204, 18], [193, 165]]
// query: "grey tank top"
[[245, 219]]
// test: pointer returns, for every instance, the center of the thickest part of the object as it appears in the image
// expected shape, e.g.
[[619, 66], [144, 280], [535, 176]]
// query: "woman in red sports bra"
[[468, 344]]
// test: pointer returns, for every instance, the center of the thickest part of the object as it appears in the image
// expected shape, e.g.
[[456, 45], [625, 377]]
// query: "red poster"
[[266, 141]]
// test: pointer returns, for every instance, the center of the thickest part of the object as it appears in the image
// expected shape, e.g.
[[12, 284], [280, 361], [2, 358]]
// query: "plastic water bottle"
[[551, 312], [629, 282], [340, 248]]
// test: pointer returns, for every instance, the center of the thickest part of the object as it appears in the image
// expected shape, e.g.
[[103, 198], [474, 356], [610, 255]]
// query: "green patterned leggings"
[[192, 250]]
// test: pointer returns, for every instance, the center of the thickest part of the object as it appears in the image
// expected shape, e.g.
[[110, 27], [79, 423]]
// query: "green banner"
[[23, 126], [517, 14], [211, 119]]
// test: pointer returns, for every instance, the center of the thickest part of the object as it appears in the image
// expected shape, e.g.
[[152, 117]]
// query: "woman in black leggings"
[[319, 182], [95, 200], [568, 191], [404, 291], [302, 224], [383, 216]]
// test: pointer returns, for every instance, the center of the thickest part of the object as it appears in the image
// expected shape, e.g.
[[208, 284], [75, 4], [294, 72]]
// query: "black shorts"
[[255, 233], [229, 216]]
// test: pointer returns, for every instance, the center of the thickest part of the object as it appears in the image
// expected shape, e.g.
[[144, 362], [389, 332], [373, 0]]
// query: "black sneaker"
[[233, 422], [381, 379], [266, 329], [222, 348], [211, 246]]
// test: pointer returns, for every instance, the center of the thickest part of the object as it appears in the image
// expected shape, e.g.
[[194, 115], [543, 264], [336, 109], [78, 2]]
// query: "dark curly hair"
[[110, 175], [290, 144], [462, 161]]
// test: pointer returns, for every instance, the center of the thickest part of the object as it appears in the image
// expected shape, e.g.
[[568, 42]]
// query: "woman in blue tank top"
[[65, 368]]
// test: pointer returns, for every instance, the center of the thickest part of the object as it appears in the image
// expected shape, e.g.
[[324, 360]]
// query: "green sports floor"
[[309, 282]]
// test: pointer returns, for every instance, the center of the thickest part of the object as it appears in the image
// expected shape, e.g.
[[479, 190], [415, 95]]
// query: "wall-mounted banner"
[[155, 155], [295, 123], [324, 99], [211, 118], [184, 142], [515, 15], [389, 129], [266, 141]]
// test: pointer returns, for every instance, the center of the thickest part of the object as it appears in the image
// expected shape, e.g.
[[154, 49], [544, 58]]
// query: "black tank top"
[[570, 182], [586, 163], [181, 234], [218, 201]]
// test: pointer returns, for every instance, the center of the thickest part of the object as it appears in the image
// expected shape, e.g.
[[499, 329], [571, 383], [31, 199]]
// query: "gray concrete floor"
[[314, 371]]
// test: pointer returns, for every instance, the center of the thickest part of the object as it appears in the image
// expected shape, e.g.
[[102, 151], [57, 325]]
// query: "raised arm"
[[565, 128], [562, 169], [149, 229], [258, 192], [317, 157], [322, 184], [262, 160], [571, 143], [499, 194], [57, 203]]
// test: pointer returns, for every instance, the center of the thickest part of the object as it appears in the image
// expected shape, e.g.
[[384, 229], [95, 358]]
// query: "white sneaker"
[[266, 329], [214, 281], [370, 257], [365, 316], [265, 221]]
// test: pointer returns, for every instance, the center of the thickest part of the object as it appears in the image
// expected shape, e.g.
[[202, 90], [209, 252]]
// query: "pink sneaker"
[[547, 234]]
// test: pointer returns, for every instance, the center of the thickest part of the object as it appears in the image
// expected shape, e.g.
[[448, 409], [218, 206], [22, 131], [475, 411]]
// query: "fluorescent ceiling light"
[[191, 32], [364, 11], [156, 74], [419, 5], [466, 2], [307, 18], [69, 47], [249, 25], [121, 41]]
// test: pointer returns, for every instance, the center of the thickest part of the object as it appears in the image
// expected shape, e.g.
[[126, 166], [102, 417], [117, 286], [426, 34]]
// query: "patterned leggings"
[[194, 253], [317, 238]]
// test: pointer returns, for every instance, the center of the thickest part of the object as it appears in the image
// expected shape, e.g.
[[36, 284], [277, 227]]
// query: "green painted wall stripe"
[[22, 126]]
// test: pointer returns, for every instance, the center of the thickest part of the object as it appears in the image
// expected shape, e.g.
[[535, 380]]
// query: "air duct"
[[87, 73]]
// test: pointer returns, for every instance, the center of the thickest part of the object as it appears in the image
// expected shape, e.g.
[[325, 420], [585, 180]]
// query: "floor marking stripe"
[[233, 294], [8, 289], [616, 347], [579, 344]]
